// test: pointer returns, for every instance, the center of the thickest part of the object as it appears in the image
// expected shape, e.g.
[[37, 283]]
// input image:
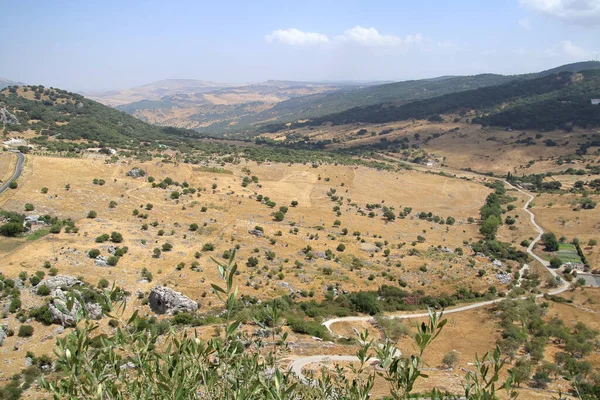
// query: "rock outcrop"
[[60, 281], [65, 317], [101, 261], [167, 301], [136, 173]]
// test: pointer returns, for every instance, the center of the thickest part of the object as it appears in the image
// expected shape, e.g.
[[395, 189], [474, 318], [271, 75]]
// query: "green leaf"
[[217, 288]]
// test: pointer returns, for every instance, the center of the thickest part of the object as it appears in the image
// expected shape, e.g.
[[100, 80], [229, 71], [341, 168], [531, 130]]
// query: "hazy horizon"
[[111, 46]]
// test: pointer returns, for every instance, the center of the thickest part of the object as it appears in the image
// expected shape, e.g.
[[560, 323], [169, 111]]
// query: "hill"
[[240, 110], [154, 91], [6, 82], [547, 102], [224, 109], [56, 113]]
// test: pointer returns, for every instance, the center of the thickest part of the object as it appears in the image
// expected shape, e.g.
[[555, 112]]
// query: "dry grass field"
[[556, 213], [225, 212], [231, 211], [7, 165], [461, 145]]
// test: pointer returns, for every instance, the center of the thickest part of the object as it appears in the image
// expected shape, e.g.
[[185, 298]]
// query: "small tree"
[[555, 262], [278, 216], [29, 207], [92, 214], [389, 215], [11, 229], [522, 372], [13, 185], [550, 241], [116, 237]]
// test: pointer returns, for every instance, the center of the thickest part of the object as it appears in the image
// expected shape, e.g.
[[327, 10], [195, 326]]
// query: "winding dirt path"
[[298, 365]]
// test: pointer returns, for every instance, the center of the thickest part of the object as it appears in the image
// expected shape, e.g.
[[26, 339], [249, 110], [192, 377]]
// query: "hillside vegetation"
[[549, 102], [231, 111], [56, 113]]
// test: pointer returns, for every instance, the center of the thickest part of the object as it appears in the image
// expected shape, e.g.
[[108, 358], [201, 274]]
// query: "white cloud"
[[566, 48], [525, 23], [368, 37], [586, 12], [296, 37], [371, 37]]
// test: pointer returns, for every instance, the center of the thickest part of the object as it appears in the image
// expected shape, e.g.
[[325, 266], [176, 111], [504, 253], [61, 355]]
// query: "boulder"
[[256, 232], [59, 281], [101, 261], [167, 301], [136, 173], [368, 247], [3, 330], [61, 314]]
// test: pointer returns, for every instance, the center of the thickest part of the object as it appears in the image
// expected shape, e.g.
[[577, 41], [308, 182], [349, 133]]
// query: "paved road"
[[18, 171], [297, 365]]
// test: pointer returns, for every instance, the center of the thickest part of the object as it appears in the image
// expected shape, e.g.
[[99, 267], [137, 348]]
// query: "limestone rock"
[[368, 247], [59, 281], [167, 301], [63, 316], [101, 261], [136, 173], [256, 232]]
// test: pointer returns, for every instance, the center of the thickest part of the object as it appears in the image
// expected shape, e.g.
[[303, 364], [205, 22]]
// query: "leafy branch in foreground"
[[138, 362]]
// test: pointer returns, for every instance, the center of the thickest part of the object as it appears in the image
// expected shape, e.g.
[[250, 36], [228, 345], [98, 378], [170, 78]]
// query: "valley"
[[294, 242]]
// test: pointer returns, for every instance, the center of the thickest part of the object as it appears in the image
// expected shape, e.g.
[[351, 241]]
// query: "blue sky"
[[100, 45]]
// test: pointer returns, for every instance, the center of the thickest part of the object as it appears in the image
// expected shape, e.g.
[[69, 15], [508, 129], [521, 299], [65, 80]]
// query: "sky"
[[104, 45]]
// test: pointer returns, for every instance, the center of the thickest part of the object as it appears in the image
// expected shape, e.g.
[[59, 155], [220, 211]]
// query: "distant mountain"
[[223, 109], [234, 110], [400, 92], [154, 91], [545, 101], [6, 82]]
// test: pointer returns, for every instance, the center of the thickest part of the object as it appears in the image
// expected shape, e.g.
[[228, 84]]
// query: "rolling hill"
[[547, 101], [58, 114], [6, 82], [225, 109], [154, 91], [228, 111]]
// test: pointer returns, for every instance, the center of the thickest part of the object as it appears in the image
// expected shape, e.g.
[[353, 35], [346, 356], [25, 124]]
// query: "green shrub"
[[93, 253], [41, 314], [43, 290], [11, 229], [25, 331]]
